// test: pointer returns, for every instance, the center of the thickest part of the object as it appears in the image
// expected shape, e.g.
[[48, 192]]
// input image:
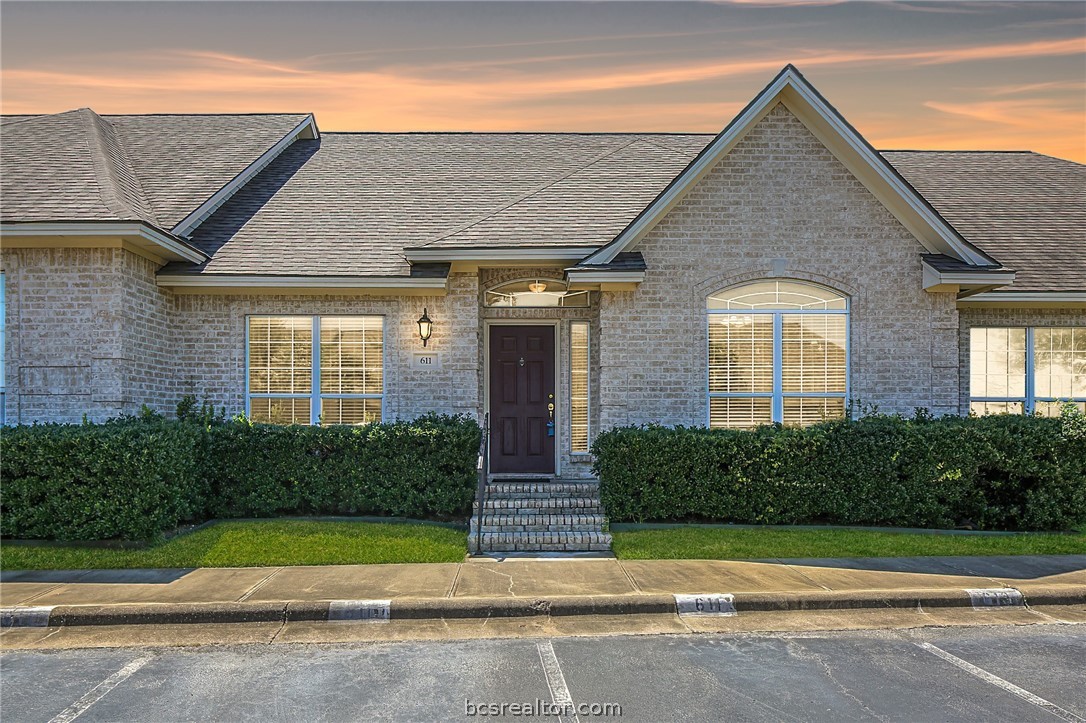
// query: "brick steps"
[[547, 506], [539, 490], [546, 542], [540, 516]]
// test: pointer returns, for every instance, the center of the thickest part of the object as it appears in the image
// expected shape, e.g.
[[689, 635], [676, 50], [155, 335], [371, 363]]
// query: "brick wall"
[[87, 335], [779, 205], [211, 342], [973, 317]]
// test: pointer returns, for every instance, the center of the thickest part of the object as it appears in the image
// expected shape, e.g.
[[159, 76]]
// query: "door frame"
[[557, 324]]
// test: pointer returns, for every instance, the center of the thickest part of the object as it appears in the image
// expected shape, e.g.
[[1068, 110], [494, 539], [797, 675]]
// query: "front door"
[[522, 399]]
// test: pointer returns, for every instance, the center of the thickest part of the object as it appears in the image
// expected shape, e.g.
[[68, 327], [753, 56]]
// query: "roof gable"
[[792, 90]]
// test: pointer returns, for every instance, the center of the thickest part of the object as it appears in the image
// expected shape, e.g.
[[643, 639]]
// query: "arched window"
[[778, 352], [534, 293]]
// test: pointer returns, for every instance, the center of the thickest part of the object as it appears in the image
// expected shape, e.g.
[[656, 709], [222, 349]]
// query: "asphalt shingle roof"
[[182, 160], [1026, 210], [66, 167], [350, 203], [156, 168]]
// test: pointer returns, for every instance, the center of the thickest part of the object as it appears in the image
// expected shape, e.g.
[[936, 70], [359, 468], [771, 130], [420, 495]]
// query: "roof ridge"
[[196, 115], [946, 150], [107, 153], [517, 133]]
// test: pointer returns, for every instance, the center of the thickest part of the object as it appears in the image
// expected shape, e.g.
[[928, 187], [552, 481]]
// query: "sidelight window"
[[578, 386]]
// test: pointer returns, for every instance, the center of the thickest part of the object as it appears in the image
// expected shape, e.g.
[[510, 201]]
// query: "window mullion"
[[1028, 405], [315, 395], [778, 368]]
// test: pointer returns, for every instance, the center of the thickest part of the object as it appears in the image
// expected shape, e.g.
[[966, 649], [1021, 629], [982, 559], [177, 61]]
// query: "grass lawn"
[[256, 544], [705, 543]]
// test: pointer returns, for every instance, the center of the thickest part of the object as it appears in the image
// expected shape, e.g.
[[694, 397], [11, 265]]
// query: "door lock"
[[550, 410]]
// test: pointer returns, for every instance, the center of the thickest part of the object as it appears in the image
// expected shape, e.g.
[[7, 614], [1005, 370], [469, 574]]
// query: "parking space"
[[1027, 673]]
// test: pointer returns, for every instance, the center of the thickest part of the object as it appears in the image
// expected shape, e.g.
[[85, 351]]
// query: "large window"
[[778, 352], [578, 385], [1015, 370], [338, 380]]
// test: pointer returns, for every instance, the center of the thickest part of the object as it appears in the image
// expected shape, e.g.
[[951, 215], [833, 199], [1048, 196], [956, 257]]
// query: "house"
[[780, 271]]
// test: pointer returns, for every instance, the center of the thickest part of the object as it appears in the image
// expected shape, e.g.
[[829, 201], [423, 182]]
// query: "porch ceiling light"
[[537, 287], [426, 327]]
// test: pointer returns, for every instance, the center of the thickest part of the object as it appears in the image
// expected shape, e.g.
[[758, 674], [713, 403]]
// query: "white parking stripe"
[[99, 691], [1005, 685], [556, 681]]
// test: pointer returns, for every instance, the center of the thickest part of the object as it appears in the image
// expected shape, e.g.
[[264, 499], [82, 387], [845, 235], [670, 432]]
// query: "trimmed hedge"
[[135, 478], [424, 468], [127, 479], [1006, 472]]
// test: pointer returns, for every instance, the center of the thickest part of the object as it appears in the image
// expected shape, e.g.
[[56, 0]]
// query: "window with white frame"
[[778, 352], [315, 369], [1015, 370]]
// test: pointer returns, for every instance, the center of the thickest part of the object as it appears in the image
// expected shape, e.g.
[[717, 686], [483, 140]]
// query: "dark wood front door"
[[522, 399]]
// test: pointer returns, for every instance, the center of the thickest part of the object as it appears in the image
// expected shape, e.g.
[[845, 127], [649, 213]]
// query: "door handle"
[[550, 410]]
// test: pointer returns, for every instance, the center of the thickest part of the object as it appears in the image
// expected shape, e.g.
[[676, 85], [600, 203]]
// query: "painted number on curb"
[[995, 597], [365, 611], [709, 604]]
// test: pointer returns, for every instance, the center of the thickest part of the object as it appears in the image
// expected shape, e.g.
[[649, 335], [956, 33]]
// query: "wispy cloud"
[[675, 79]]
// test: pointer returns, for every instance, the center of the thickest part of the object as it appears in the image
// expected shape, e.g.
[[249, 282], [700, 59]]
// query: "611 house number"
[[427, 360]]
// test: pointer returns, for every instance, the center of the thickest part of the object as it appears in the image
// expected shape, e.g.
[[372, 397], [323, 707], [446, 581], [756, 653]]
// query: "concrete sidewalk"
[[623, 582]]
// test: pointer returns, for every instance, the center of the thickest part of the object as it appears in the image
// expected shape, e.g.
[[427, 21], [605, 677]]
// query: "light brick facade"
[[779, 205], [91, 333]]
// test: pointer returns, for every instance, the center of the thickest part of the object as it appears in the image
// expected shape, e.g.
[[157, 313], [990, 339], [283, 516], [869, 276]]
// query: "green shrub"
[[423, 468], [134, 478], [1003, 472], [128, 478]]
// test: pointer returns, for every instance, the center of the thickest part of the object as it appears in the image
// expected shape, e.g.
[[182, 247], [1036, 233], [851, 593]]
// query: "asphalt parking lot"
[[933, 674]]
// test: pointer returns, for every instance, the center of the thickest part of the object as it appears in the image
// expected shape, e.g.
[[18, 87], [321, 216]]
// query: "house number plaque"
[[426, 360]]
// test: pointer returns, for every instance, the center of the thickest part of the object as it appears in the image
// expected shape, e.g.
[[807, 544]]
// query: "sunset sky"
[[906, 74]]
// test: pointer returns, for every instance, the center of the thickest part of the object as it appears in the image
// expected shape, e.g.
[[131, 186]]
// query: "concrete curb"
[[449, 608]]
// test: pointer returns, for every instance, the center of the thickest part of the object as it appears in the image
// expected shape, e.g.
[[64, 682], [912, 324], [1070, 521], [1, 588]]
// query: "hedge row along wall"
[[135, 478], [997, 473]]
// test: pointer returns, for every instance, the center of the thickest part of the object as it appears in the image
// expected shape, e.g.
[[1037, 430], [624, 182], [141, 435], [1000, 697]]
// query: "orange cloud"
[[496, 95]]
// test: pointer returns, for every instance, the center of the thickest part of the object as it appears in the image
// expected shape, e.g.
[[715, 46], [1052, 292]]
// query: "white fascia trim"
[[606, 277], [208, 207], [934, 277], [299, 282], [1025, 296], [738, 127], [540, 253], [180, 251]]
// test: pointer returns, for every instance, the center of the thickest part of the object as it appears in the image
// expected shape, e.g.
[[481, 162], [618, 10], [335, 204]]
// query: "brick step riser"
[[520, 494], [600, 547], [564, 506], [506, 518], [541, 528], [536, 538]]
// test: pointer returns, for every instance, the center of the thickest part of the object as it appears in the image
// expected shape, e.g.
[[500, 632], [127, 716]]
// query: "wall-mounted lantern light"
[[426, 327]]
